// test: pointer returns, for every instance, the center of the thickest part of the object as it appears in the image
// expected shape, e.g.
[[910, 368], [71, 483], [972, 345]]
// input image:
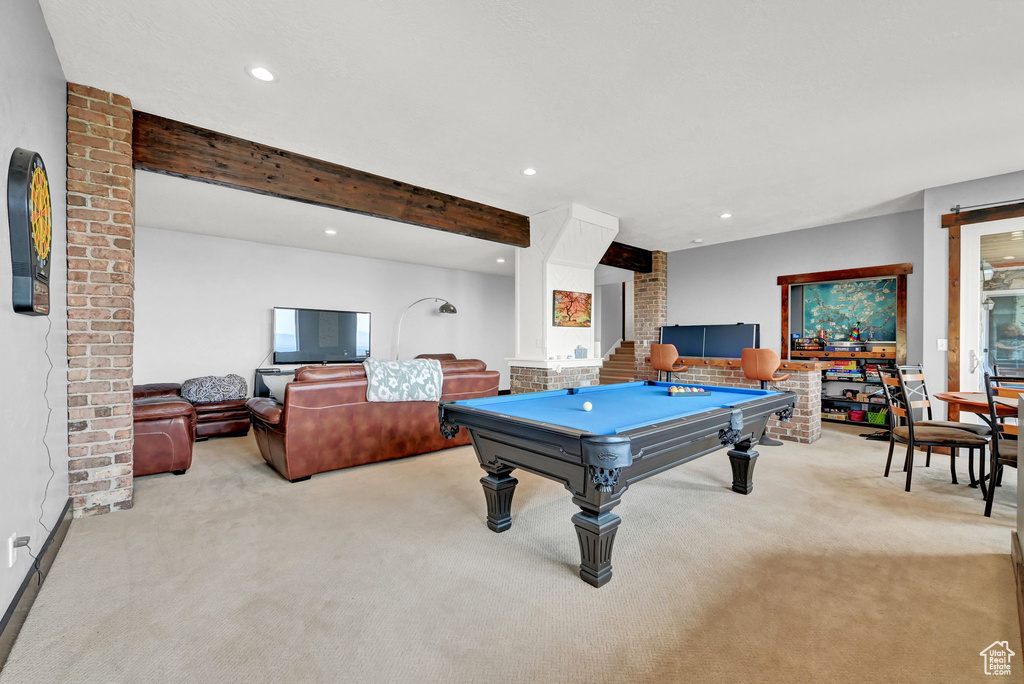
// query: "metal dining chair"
[[907, 398], [1004, 448]]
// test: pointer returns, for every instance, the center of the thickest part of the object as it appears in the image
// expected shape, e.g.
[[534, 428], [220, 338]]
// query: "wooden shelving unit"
[[887, 358], [842, 355], [825, 418], [867, 406]]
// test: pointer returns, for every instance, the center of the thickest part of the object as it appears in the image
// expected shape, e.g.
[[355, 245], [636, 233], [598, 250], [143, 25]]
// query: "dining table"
[[977, 403]]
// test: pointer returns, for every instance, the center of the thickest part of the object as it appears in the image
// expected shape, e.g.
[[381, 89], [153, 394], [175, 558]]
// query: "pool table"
[[633, 431]]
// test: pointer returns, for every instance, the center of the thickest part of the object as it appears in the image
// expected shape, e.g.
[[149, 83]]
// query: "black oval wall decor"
[[31, 227]]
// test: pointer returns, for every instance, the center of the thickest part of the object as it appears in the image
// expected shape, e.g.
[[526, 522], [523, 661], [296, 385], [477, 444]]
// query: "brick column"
[[101, 285], [523, 379], [805, 424], [650, 310]]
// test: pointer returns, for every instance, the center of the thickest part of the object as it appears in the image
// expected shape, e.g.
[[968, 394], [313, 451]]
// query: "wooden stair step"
[[620, 366]]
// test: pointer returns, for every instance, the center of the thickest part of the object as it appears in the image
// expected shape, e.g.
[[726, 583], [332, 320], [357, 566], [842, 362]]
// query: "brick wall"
[[804, 426], [650, 309], [101, 282], [522, 379]]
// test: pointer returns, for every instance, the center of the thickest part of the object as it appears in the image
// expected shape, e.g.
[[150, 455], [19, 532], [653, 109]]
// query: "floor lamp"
[[445, 308]]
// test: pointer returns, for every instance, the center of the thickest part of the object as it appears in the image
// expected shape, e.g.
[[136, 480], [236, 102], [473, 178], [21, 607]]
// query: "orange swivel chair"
[[665, 358], [760, 365]]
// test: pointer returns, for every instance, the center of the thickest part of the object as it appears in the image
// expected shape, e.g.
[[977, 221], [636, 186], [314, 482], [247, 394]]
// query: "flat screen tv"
[[320, 336]]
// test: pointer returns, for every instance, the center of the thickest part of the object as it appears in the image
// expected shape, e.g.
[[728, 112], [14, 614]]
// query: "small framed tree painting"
[[572, 309]]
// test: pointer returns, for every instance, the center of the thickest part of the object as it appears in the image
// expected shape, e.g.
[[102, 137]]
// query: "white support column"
[[566, 244]]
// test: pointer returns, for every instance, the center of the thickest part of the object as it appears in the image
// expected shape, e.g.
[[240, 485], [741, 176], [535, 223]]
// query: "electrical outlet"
[[12, 554]]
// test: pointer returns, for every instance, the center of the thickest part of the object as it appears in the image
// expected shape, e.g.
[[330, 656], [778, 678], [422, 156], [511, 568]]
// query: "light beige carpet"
[[827, 572]]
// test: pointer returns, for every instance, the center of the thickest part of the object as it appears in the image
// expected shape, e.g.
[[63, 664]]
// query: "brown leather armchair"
[[325, 422], [165, 429]]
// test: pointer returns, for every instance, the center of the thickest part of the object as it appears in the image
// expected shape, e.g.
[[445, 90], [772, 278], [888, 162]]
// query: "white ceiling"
[[664, 113], [1003, 250], [177, 204]]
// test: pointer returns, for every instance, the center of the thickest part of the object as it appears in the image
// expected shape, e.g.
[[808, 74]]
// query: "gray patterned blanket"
[[210, 388], [416, 380]]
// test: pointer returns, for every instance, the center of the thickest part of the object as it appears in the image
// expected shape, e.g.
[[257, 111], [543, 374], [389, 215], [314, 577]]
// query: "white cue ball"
[[587, 406]]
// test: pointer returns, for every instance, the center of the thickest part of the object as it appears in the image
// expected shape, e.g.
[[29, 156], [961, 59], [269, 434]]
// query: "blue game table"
[[634, 430]]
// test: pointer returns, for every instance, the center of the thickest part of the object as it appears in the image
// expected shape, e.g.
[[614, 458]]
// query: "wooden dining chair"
[[912, 378], [665, 359], [1004, 447], [914, 382], [905, 409]]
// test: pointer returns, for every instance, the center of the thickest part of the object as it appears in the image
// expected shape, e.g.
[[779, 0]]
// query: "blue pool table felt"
[[616, 408]]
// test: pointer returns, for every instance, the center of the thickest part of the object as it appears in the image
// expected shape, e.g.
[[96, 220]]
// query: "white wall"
[[608, 305], [736, 281], [33, 101], [203, 304]]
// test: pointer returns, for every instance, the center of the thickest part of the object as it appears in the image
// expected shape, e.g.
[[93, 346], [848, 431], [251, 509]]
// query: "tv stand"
[[259, 387]]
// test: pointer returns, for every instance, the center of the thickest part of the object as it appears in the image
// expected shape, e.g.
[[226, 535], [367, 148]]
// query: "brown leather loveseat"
[[226, 418], [325, 422]]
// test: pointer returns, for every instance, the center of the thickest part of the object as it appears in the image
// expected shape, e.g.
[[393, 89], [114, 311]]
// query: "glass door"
[[991, 300]]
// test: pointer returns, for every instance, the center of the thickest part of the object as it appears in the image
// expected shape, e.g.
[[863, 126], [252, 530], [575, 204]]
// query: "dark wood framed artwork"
[[898, 271]]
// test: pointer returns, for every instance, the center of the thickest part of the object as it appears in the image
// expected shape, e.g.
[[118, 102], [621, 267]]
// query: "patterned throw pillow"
[[210, 388], [416, 380]]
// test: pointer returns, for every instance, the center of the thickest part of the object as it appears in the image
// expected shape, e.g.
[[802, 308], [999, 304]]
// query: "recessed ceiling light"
[[1017, 232], [1019, 237], [331, 231], [1007, 258], [501, 261], [529, 172], [697, 241], [725, 216], [261, 73]]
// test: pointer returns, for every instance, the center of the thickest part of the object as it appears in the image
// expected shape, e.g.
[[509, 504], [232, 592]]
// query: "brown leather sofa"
[[165, 429], [325, 422], [227, 418]]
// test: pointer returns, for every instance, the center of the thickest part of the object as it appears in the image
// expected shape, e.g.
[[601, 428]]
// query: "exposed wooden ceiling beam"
[[629, 258], [178, 149]]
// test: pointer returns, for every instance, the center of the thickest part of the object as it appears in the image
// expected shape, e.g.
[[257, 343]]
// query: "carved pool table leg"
[[596, 533], [742, 458], [499, 487]]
